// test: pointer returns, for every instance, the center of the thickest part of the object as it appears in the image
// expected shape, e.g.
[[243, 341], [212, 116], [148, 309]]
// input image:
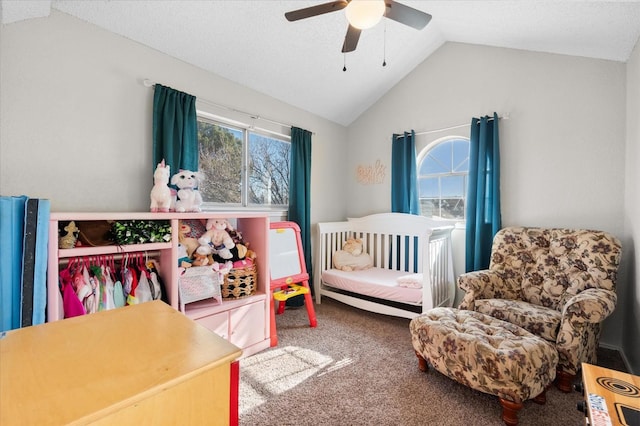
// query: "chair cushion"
[[541, 321]]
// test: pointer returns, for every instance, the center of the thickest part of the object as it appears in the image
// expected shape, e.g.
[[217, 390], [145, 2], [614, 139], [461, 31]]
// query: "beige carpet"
[[359, 368]]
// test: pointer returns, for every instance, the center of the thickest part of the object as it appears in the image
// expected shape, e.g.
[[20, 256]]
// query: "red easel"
[[288, 270]]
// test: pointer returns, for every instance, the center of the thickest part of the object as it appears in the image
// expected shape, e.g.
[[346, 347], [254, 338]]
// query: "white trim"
[[250, 127]]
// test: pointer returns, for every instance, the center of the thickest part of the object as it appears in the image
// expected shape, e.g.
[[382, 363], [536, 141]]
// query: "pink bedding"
[[374, 282]]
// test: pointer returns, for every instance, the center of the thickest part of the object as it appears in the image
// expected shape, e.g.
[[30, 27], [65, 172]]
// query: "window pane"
[[268, 170], [452, 186], [442, 180], [429, 207], [460, 155], [437, 161], [452, 208], [220, 150], [429, 188]]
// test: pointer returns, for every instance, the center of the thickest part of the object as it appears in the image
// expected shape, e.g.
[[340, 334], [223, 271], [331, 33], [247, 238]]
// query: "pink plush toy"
[[161, 193], [222, 268]]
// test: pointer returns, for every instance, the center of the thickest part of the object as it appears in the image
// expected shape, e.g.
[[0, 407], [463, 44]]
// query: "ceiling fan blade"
[[351, 39], [406, 15], [320, 9]]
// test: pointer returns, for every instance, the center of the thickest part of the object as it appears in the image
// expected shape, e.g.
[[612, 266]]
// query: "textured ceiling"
[[251, 43]]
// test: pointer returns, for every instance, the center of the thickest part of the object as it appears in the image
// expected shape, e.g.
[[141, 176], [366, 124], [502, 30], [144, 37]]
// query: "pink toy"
[[222, 268]]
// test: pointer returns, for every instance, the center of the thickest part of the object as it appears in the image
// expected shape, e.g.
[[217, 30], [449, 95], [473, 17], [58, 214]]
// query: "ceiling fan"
[[363, 14]]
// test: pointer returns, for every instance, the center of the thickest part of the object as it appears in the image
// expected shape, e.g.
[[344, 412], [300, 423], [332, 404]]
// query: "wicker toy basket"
[[240, 282]]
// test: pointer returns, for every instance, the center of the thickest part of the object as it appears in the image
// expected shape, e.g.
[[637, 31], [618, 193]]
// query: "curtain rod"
[[427, 132], [148, 83], [116, 256]]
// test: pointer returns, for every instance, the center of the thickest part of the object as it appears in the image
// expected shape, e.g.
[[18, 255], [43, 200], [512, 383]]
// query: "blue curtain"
[[404, 177], [41, 254], [483, 192], [300, 188], [175, 129], [12, 211]]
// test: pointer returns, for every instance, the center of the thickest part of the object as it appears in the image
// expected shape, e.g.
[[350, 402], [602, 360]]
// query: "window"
[[443, 167], [243, 167]]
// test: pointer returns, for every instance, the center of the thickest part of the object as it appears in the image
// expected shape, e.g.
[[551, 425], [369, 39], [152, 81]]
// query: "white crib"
[[399, 244]]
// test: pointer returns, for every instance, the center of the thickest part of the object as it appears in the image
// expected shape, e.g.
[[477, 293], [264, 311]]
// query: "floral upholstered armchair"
[[558, 284]]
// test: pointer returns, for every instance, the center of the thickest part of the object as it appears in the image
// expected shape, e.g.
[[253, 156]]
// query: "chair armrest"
[[579, 331], [589, 306], [485, 284]]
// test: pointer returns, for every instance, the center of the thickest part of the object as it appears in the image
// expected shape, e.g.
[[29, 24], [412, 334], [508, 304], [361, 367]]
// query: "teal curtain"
[[483, 192], [175, 129], [404, 177], [300, 188]]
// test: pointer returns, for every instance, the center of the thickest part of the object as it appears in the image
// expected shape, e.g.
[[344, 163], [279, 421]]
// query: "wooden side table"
[[611, 397], [141, 364]]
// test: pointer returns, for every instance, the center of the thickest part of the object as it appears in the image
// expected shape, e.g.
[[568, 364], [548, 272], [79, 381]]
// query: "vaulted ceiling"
[[300, 63]]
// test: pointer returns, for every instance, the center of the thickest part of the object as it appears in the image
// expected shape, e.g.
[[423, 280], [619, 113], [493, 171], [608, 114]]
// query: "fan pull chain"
[[344, 68], [384, 46]]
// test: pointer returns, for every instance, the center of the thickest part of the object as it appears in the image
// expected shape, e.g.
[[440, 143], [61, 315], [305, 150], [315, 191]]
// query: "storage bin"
[[240, 282]]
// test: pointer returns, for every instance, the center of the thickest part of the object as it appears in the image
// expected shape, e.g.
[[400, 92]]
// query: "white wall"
[[565, 132], [631, 297], [75, 119], [562, 148]]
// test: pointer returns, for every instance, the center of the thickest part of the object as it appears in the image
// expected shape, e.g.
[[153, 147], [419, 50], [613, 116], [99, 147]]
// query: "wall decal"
[[371, 174]]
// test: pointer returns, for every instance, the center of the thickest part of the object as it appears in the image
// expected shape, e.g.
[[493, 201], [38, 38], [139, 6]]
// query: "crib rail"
[[395, 241]]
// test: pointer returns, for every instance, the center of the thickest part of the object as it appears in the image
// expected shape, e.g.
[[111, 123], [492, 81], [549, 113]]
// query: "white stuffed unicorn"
[[161, 193]]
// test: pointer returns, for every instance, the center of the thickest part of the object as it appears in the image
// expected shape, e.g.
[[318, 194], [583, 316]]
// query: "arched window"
[[443, 167]]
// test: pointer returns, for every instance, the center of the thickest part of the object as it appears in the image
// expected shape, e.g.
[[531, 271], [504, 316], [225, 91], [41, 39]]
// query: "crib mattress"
[[374, 282]]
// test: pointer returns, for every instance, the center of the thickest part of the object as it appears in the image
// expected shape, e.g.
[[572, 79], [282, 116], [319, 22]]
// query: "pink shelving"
[[255, 229]]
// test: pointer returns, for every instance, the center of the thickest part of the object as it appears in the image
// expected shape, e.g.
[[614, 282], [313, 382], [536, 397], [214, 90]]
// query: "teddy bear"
[[161, 193], [218, 240], [352, 257], [188, 197]]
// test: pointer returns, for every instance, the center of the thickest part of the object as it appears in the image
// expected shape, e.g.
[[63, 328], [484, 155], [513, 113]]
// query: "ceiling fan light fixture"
[[363, 14]]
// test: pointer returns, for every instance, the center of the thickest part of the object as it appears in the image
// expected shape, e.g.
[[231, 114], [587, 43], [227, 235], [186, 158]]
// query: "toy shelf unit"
[[244, 321]]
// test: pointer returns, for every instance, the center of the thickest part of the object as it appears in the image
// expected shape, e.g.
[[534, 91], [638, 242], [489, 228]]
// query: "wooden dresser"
[[142, 364]]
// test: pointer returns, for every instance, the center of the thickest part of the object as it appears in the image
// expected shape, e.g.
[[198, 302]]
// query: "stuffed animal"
[[69, 241], [190, 244], [242, 250], [161, 193], [250, 253], [201, 257], [351, 257], [218, 239], [222, 268], [188, 197], [184, 261]]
